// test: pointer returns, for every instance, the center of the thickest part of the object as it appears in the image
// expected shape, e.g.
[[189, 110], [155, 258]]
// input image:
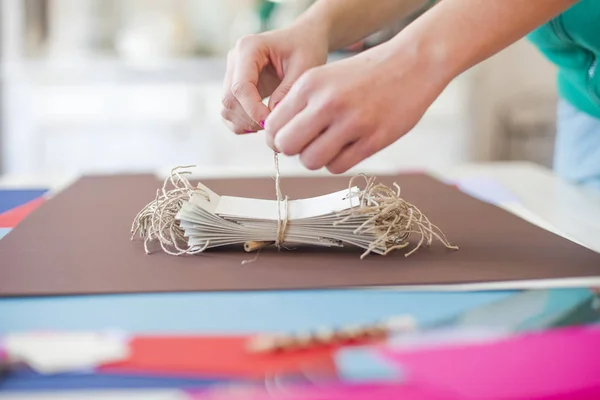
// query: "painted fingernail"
[[247, 131], [262, 124]]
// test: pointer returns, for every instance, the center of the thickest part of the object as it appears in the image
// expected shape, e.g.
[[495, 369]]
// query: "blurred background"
[[111, 86]]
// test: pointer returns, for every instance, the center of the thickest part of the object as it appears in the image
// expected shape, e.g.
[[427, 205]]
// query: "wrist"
[[329, 24], [427, 54], [317, 26]]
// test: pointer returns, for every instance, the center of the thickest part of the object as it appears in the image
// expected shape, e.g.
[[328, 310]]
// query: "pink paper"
[[563, 363], [327, 392]]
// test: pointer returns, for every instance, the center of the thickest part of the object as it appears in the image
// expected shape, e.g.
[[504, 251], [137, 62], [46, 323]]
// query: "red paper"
[[548, 365], [216, 357], [11, 218]]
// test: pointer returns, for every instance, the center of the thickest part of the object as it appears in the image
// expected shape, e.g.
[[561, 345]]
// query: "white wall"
[[515, 74], [95, 117]]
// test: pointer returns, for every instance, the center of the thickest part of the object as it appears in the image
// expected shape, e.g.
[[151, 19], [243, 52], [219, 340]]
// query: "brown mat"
[[78, 243]]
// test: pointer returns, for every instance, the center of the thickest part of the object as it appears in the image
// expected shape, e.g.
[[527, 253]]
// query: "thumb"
[[285, 86]]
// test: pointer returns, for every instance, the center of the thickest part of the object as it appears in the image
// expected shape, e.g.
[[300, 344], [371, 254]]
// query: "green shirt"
[[572, 42]]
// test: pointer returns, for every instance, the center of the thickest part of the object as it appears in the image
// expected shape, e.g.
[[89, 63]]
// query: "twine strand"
[[386, 212], [281, 223], [157, 222]]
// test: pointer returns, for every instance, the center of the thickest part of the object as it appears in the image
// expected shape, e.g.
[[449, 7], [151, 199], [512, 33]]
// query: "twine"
[[391, 218], [385, 215], [157, 222], [281, 223]]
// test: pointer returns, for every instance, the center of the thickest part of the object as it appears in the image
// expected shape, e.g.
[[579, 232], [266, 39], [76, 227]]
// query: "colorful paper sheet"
[[327, 392], [11, 198], [29, 381], [11, 218], [536, 365], [370, 392], [216, 356], [58, 352]]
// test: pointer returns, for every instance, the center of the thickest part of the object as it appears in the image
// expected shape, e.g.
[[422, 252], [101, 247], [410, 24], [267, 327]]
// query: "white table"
[[543, 199]]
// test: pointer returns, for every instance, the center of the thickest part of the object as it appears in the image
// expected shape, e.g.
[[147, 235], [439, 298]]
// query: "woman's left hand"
[[339, 114]]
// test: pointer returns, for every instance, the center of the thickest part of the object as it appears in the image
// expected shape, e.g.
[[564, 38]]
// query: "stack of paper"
[[210, 220]]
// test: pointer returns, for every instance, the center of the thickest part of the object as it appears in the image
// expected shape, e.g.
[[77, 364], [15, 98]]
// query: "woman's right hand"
[[264, 65]]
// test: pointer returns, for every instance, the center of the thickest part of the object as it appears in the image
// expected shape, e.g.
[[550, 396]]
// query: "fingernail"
[[262, 124], [247, 131]]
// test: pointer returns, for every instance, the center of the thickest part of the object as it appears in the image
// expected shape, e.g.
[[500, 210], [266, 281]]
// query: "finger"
[[293, 105], [230, 125], [244, 85], [269, 141], [301, 130], [228, 73], [239, 117], [352, 154], [238, 122], [228, 101], [285, 112], [236, 128], [290, 76], [232, 110], [327, 146]]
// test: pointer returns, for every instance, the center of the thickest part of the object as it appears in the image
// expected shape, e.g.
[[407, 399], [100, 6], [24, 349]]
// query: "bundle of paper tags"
[[375, 219], [211, 220]]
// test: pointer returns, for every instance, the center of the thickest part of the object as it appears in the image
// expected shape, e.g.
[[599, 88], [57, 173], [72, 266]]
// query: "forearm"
[[455, 35], [348, 21]]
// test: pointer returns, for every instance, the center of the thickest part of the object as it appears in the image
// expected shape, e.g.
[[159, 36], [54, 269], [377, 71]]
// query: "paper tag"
[[297, 209], [203, 198]]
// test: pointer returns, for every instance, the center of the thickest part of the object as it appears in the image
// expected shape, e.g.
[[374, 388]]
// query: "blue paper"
[[232, 312], [30, 381], [362, 364], [4, 232], [11, 198]]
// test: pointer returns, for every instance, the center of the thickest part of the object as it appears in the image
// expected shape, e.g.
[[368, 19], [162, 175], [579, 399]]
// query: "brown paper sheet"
[[79, 243]]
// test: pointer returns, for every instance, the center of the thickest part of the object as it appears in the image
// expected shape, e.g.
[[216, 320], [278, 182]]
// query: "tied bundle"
[[188, 219]]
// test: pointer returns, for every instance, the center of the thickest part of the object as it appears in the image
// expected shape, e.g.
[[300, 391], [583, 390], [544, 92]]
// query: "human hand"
[[266, 65], [339, 114]]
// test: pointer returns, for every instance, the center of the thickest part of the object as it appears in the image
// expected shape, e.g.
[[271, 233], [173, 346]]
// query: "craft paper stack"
[[450, 364], [210, 220]]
